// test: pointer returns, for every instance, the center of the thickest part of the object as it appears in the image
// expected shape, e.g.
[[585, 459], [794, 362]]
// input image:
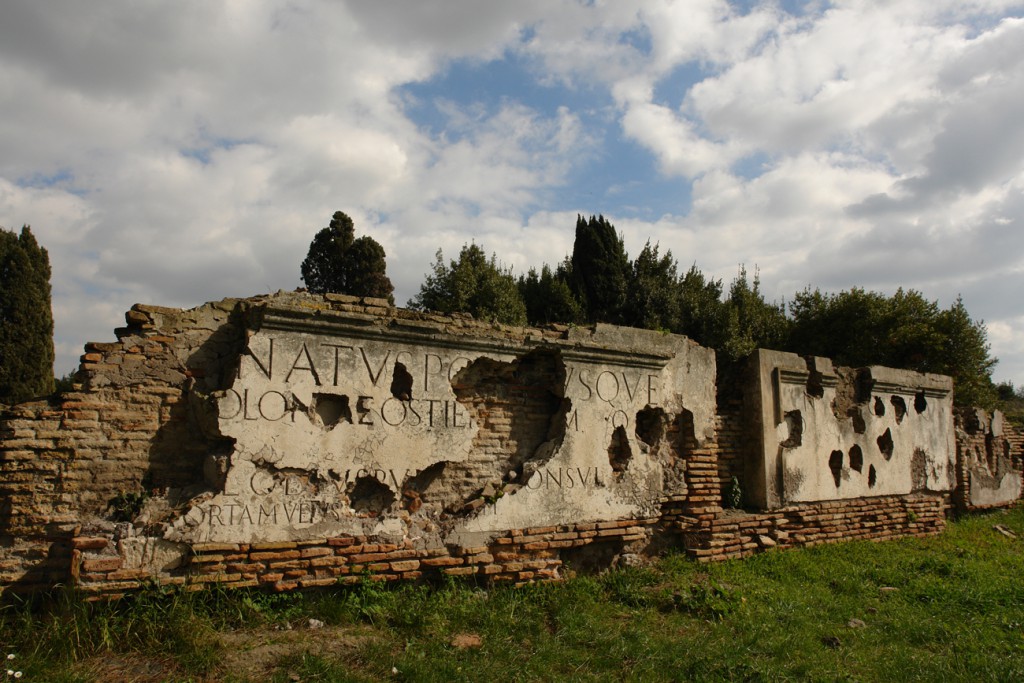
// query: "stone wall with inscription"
[[293, 440], [298, 419], [394, 427]]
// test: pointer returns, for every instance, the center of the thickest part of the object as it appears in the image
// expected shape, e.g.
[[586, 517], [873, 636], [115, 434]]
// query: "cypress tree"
[[26, 319], [548, 297], [600, 269]]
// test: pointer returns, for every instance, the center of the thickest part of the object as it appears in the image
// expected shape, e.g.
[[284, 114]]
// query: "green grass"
[[952, 609]]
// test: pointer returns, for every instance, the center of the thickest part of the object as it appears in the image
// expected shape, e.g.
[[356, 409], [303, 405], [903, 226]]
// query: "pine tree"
[[701, 311], [338, 262], [473, 284], [548, 297], [26, 319], [965, 354], [653, 291]]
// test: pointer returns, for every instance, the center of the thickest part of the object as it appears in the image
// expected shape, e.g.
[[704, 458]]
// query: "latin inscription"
[[260, 514], [273, 405], [330, 363], [303, 511], [608, 386], [334, 364], [564, 478]]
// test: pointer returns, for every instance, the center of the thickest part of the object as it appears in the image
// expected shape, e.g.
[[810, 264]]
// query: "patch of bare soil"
[[129, 668], [253, 655], [250, 655]]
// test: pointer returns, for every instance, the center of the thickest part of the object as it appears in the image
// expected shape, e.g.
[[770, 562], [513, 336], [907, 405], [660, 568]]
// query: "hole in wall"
[[856, 458], [872, 477], [681, 441], [815, 387], [423, 487], [885, 444], [835, 463], [619, 453], [879, 407], [844, 402], [795, 426], [859, 425], [521, 417], [591, 558], [920, 404], [332, 409], [918, 470], [401, 383], [370, 496], [650, 425], [991, 460], [899, 406]]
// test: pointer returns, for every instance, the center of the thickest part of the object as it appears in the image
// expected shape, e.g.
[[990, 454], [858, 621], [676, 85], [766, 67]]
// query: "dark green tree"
[[702, 315], [849, 327], [653, 291], [548, 297], [365, 269], [904, 330], [749, 321], [338, 262], [600, 268], [473, 284], [1010, 400], [26, 318], [913, 339], [964, 354]]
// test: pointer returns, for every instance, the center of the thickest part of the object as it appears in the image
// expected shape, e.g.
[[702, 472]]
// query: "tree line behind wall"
[[598, 282]]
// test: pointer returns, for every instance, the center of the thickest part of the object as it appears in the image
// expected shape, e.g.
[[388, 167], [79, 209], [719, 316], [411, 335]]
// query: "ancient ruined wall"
[[294, 440], [734, 533], [822, 433], [990, 452], [295, 429], [129, 428]]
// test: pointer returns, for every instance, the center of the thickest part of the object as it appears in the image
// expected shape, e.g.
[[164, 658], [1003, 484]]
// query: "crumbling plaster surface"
[[820, 433], [347, 424], [993, 471]]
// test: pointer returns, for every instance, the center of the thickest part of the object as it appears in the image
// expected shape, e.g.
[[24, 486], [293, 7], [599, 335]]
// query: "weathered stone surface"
[[348, 425], [989, 474], [820, 433], [153, 555]]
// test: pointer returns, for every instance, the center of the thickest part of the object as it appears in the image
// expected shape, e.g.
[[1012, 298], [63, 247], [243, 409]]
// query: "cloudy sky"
[[180, 152]]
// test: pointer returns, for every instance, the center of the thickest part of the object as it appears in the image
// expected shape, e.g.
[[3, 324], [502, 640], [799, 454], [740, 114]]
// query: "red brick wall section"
[[735, 534], [127, 429], [731, 454], [975, 444], [519, 556]]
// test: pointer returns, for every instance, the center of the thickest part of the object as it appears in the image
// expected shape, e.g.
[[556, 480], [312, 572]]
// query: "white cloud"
[[178, 154]]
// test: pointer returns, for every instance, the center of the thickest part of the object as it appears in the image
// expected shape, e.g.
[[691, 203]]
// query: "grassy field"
[[939, 609]]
